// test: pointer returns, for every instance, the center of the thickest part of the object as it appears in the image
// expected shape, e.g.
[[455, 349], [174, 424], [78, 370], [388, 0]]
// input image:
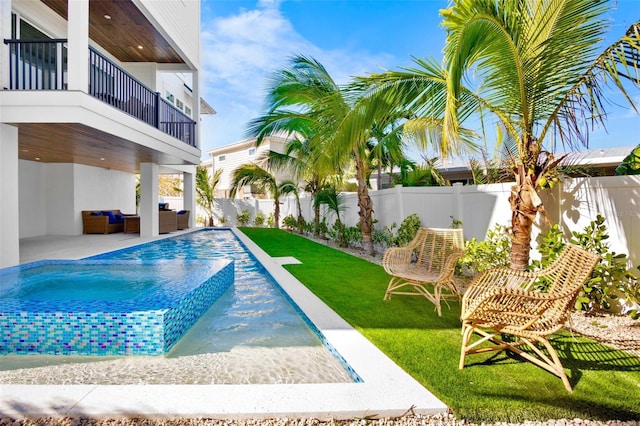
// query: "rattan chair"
[[504, 301], [425, 267]]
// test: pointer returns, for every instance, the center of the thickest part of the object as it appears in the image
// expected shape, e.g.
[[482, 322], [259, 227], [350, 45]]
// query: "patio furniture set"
[[499, 301], [110, 221]]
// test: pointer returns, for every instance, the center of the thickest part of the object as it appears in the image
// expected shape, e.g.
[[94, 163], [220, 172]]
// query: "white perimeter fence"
[[572, 205]]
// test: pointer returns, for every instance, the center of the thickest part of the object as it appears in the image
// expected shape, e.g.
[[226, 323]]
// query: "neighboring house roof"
[[205, 108]]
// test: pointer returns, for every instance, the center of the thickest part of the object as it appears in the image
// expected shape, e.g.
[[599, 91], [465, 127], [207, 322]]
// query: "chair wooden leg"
[[393, 284], [467, 331]]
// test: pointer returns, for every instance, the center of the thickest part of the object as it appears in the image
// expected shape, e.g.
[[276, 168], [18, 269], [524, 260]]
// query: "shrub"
[[611, 277], [290, 222], [385, 236], [408, 229], [271, 220], [345, 236], [258, 220], [493, 252], [243, 218], [320, 229]]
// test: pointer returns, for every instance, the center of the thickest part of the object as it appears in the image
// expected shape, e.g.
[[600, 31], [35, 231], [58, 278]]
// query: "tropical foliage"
[[535, 67], [253, 174], [631, 163], [205, 190]]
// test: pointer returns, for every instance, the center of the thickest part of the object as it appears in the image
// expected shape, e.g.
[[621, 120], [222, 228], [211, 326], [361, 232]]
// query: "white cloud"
[[241, 51]]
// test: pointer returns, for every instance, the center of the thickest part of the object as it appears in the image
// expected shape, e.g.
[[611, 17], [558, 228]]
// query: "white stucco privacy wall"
[[573, 205]]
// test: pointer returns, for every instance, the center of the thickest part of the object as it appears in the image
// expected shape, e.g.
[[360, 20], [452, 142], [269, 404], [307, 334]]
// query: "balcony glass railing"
[[42, 65]]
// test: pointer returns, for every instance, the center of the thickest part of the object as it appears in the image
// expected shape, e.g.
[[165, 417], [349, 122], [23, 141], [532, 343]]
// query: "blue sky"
[[244, 41]]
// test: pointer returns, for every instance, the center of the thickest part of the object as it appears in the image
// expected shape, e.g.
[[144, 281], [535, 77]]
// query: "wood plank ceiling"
[[121, 35], [123, 32]]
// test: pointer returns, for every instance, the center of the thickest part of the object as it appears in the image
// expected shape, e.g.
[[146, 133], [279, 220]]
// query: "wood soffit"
[[77, 143], [121, 35]]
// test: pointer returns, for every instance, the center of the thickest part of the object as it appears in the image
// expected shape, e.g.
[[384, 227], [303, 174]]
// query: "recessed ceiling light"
[[140, 47], [101, 158], [25, 150], [37, 158], [107, 16]]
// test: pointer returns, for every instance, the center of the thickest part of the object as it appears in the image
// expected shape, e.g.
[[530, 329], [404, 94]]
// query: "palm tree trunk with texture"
[[525, 205], [365, 205]]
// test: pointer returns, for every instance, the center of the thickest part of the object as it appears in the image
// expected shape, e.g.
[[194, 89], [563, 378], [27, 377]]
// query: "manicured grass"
[[492, 387]]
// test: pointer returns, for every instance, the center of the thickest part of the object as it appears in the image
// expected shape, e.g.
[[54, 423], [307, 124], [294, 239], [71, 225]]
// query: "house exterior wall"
[[238, 154], [33, 199], [178, 21], [53, 195]]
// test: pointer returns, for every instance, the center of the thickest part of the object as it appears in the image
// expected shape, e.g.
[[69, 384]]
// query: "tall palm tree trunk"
[[365, 205], [525, 204], [276, 212]]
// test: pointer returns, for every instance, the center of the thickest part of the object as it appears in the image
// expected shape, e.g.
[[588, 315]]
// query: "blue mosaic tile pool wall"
[[145, 326], [181, 317]]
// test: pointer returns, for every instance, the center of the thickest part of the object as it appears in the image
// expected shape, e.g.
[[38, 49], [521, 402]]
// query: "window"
[[179, 104], [221, 157], [187, 111], [252, 152], [169, 97]]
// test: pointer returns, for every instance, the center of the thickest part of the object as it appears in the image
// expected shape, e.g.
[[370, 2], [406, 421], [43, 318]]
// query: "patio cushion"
[[96, 213], [112, 217]]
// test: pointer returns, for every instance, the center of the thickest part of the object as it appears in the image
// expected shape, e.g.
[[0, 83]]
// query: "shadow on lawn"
[[577, 354]]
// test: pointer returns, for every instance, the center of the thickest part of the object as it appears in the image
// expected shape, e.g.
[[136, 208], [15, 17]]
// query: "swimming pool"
[[253, 325], [385, 390], [105, 307]]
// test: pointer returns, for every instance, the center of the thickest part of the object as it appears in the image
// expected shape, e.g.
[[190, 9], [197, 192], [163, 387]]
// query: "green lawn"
[[492, 387]]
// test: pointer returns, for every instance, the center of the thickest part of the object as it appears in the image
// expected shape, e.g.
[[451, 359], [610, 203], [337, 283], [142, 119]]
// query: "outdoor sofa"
[[102, 221]]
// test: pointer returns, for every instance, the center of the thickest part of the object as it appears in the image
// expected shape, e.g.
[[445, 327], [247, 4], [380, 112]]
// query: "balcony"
[[42, 65]]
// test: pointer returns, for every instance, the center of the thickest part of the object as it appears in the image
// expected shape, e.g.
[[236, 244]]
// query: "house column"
[[189, 194], [9, 197], [149, 221], [78, 45], [5, 26], [195, 96]]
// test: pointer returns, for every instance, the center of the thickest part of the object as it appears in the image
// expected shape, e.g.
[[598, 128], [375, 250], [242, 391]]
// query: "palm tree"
[[534, 66], [333, 200], [205, 190], [304, 98], [288, 187], [252, 174]]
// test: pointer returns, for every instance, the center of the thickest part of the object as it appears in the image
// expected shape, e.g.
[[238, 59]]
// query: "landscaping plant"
[[243, 217], [611, 279]]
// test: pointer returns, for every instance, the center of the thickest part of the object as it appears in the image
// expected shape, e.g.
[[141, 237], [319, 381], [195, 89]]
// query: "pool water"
[[254, 312], [253, 334], [90, 282]]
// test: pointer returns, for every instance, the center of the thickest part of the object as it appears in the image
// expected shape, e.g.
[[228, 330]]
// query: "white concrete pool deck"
[[386, 391]]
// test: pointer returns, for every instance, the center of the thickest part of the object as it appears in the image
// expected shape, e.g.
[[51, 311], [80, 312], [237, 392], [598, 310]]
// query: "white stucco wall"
[[33, 200], [97, 188], [52, 196]]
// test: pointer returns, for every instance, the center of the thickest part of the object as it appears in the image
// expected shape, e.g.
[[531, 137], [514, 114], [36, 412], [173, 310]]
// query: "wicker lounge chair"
[[425, 266], [503, 301], [183, 219]]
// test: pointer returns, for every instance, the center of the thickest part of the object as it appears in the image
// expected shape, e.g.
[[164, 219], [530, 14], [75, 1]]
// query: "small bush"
[[271, 220], [408, 229], [493, 252], [384, 237], [611, 277], [258, 220], [289, 222], [243, 218]]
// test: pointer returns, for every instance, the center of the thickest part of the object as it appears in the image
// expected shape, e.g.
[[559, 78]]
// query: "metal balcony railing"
[[42, 65]]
